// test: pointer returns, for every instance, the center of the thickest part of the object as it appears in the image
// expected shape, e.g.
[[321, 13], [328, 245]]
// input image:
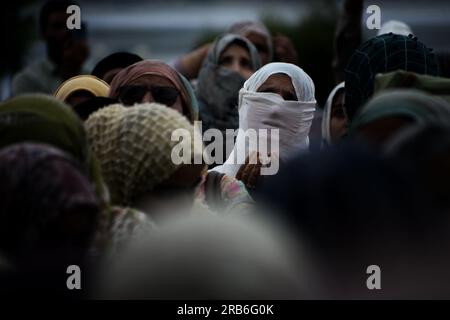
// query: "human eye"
[[245, 63], [225, 61]]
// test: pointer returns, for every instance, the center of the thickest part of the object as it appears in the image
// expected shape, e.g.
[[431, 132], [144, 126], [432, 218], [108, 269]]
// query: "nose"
[[148, 98], [236, 66]]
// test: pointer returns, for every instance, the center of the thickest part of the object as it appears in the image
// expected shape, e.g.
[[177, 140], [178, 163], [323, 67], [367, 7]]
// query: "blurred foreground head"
[[49, 210], [208, 258], [352, 209], [427, 149], [43, 119]]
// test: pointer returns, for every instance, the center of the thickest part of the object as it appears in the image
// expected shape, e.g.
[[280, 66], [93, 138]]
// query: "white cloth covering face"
[[326, 119], [262, 110]]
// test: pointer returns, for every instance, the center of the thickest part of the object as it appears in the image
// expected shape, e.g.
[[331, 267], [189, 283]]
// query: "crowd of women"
[[87, 177]]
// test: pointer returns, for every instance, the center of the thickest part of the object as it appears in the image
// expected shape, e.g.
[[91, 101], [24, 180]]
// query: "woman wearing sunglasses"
[[154, 81]]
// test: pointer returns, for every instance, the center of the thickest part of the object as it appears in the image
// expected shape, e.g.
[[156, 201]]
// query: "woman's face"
[[238, 59], [280, 84], [155, 81], [338, 119]]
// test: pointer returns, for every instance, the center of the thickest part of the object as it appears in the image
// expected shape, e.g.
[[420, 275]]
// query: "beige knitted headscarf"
[[133, 146]]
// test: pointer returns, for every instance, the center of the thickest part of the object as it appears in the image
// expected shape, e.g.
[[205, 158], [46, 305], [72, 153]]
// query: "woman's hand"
[[250, 171]]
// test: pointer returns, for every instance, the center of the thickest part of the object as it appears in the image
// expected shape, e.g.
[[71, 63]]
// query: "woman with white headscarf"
[[334, 120], [277, 96]]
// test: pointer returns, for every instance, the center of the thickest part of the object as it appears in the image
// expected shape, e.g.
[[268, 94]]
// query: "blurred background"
[[167, 29]]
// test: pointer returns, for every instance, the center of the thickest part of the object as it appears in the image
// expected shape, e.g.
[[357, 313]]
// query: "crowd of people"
[[87, 175]]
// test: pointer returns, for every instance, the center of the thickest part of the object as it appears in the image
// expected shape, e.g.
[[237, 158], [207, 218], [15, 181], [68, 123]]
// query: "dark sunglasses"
[[129, 95]]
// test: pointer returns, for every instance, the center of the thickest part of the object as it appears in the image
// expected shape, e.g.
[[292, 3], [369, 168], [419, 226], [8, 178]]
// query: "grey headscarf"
[[218, 87]]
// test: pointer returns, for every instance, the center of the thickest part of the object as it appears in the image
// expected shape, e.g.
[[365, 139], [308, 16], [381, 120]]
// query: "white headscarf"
[[262, 110], [396, 27], [326, 119]]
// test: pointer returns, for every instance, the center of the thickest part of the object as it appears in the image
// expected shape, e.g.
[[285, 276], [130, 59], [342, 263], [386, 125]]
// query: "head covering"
[[47, 202], [244, 28], [92, 84], [134, 147], [218, 87], [427, 149], [374, 209], [327, 111], [416, 105], [153, 67], [382, 54], [209, 257], [223, 42], [301, 81], [261, 110], [113, 61], [435, 86], [124, 226], [41, 118], [396, 27]]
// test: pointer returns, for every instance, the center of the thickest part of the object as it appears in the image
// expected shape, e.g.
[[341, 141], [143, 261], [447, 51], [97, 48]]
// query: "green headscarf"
[[436, 86], [414, 104], [41, 118]]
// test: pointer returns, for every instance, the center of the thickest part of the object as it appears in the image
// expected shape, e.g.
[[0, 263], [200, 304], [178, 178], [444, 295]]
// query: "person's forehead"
[[153, 79], [278, 79], [235, 48]]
